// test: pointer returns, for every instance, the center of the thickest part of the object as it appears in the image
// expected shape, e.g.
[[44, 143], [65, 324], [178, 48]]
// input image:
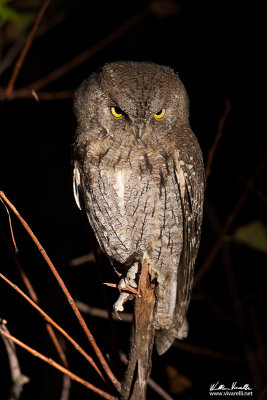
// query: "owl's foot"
[[129, 279], [128, 283]]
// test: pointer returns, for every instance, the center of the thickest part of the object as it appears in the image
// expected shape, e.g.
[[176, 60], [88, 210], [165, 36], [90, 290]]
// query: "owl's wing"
[[189, 178]]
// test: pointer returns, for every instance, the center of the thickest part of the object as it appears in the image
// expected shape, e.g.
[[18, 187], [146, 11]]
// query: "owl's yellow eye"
[[116, 112], [160, 114]]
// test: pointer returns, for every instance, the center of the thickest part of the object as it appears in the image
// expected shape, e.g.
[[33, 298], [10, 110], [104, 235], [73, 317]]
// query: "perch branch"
[[151, 383], [25, 49], [57, 366], [89, 335], [142, 340]]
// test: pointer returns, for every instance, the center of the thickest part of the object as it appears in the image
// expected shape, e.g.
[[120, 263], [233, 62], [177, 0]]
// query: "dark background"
[[218, 48]]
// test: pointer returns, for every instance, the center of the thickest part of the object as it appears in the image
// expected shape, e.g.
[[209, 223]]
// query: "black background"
[[218, 48]]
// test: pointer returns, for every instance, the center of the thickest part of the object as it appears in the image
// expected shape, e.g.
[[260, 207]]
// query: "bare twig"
[[17, 377], [74, 307], [26, 48], [31, 94], [254, 190], [228, 224], [65, 387], [58, 366], [15, 49], [202, 351], [74, 262], [52, 322], [85, 55], [101, 313], [10, 226], [217, 137]]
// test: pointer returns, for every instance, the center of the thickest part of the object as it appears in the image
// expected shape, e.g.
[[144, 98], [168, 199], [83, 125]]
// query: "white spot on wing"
[[76, 184]]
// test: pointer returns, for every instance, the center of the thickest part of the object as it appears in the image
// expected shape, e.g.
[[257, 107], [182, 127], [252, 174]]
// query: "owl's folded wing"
[[190, 181]]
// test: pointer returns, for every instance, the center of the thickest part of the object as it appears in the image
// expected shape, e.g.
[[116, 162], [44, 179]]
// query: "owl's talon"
[[131, 273], [122, 283], [118, 305], [132, 283]]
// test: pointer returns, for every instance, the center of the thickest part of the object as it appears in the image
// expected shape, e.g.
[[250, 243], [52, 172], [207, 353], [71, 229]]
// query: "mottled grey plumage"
[[141, 180]]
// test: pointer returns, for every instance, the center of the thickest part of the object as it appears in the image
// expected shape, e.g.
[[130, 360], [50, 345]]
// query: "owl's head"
[[138, 98]]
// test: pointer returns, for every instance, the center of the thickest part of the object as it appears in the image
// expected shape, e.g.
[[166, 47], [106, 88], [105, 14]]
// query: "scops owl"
[[138, 175]]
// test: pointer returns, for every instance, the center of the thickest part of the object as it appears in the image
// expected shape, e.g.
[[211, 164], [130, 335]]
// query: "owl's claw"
[[118, 305], [128, 283], [129, 279]]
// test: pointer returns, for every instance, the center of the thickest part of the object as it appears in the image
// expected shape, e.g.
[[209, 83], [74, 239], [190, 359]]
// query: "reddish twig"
[[35, 299], [74, 307], [228, 224], [32, 94], [10, 226], [217, 138], [52, 322], [202, 351], [85, 55], [254, 190], [25, 49], [58, 366]]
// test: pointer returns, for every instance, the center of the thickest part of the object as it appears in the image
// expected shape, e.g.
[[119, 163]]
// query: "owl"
[[139, 177]]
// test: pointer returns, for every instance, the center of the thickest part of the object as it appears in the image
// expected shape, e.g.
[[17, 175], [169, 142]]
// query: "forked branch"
[[89, 335], [58, 366]]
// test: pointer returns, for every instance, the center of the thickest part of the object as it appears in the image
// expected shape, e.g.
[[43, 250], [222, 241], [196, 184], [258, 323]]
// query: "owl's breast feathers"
[[143, 199]]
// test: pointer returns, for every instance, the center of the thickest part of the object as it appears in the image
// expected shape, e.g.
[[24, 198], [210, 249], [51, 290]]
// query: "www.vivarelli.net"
[[218, 389]]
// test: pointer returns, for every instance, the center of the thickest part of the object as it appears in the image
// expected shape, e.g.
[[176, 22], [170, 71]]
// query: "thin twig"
[[15, 49], [74, 307], [228, 224], [217, 137], [254, 190], [85, 55], [52, 322], [18, 378], [26, 48], [101, 313], [22, 273], [58, 366], [31, 94], [65, 387], [35, 299], [202, 351], [10, 226]]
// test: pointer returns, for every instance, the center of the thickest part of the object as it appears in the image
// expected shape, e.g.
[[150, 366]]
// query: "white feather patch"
[[76, 184]]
